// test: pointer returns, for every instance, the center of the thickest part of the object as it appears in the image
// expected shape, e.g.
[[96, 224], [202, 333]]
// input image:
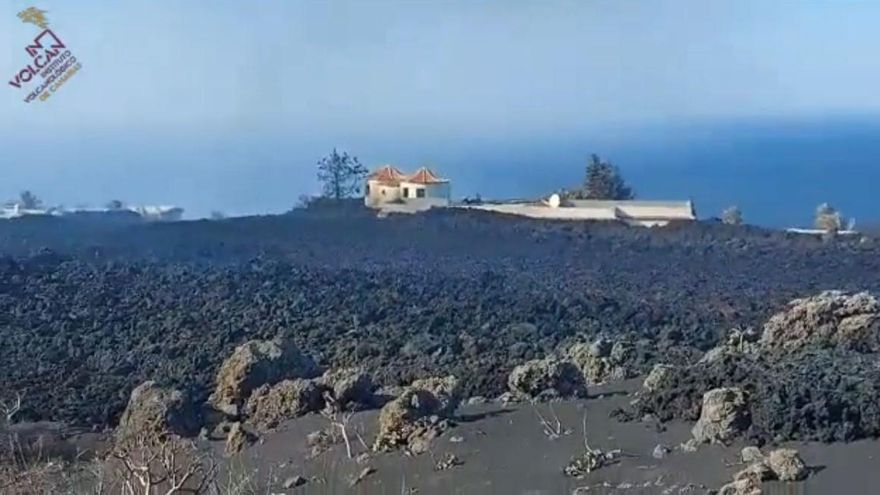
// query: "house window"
[[420, 193], [383, 192], [367, 190], [405, 192]]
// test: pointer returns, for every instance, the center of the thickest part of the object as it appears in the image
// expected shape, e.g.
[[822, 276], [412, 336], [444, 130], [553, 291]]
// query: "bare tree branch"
[[10, 408]]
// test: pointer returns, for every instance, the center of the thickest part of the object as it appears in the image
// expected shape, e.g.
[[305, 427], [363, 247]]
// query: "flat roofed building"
[[631, 212]]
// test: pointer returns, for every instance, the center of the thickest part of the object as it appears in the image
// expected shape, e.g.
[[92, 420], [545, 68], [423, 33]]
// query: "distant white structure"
[[631, 212], [150, 213], [158, 213], [15, 210], [390, 190], [849, 230], [796, 230]]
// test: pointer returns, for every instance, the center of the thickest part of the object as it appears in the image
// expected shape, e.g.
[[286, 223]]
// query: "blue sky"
[[227, 105]]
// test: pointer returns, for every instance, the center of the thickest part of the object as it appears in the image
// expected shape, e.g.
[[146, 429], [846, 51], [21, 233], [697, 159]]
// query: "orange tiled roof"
[[388, 174], [424, 175]]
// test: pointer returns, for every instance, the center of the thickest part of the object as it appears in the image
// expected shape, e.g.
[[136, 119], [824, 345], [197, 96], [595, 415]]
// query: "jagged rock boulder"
[[830, 319], [742, 486], [154, 409], [787, 465], [748, 481], [592, 360], [758, 470], [446, 390], [321, 441], [622, 353], [780, 464], [216, 431], [349, 387], [741, 337], [601, 347], [388, 393], [660, 376], [724, 415], [269, 405], [410, 420], [603, 360], [237, 439], [660, 451], [547, 378], [739, 343], [751, 455], [256, 363], [718, 353]]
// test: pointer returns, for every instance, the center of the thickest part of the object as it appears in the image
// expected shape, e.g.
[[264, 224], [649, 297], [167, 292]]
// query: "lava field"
[[91, 308]]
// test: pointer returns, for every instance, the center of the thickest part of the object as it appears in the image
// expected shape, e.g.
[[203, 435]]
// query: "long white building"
[[631, 212]]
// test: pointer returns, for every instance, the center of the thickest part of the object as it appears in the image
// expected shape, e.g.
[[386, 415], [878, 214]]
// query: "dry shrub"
[[148, 462], [55, 477], [590, 459], [732, 216], [146, 465], [25, 469], [237, 479], [152, 464], [8, 409]]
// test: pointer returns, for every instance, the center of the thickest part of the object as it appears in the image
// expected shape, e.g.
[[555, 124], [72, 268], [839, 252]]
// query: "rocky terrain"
[[812, 374], [89, 311]]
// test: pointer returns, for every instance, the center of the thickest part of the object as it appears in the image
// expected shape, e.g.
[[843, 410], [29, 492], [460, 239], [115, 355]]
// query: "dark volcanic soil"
[[89, 310], [504, 451]]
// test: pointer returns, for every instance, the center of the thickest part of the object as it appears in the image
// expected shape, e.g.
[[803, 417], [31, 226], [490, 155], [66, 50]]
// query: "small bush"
[[732, 216]]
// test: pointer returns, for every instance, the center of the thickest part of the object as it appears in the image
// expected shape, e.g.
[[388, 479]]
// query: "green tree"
[[828, 218], [341, 175], [29, 200], [604, 181]]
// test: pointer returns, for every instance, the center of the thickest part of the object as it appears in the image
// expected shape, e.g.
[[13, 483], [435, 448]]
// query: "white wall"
[[537, 211], [380, 193], [545, 212], [413, 206], [436, 191], [660, 212]]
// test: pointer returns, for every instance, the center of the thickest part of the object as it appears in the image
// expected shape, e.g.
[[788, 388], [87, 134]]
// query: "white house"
[[390, 189], [383, 186]]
